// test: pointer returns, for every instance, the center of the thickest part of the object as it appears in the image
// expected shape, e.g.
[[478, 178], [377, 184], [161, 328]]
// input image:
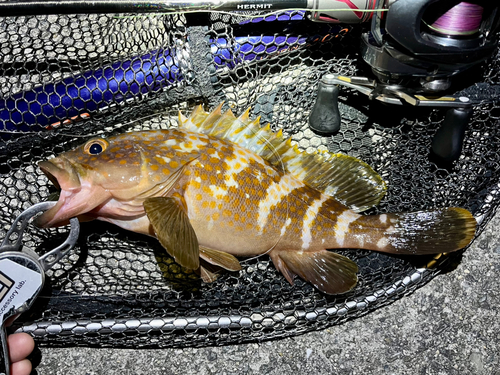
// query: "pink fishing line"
[[463, 19]]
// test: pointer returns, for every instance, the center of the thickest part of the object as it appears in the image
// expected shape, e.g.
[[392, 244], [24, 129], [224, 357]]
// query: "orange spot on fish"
[[154, 167], [165, 171], [156, 178], [215, 216], [212, 204], [227, 213], [123, 162], [115, 149], [127, 147], [174, 164], [204, 204], [160, 160], [199, 197]]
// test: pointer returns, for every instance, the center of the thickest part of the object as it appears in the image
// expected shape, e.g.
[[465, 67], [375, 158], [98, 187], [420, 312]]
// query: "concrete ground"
[[449, 326]]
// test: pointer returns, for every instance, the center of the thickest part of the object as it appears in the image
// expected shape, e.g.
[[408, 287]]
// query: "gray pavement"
[[449, 326]]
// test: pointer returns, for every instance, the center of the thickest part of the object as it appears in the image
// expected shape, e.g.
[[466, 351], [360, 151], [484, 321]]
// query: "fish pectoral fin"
[[220, 258], [173, 229], [330, 272]]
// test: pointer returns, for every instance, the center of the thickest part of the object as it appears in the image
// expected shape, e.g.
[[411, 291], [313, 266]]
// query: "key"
[[21, 279]]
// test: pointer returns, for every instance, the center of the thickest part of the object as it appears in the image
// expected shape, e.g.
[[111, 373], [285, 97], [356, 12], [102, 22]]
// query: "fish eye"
[[95, 146]]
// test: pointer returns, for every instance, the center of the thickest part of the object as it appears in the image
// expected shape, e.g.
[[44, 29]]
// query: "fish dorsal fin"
[[349, 180]]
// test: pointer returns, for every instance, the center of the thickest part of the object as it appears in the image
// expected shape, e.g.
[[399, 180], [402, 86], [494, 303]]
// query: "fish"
[[220, 187]]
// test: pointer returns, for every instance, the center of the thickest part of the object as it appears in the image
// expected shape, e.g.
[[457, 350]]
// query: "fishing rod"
[[352, 11]]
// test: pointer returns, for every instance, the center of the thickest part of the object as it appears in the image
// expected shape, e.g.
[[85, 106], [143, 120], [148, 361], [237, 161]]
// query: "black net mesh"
[[66, 78]]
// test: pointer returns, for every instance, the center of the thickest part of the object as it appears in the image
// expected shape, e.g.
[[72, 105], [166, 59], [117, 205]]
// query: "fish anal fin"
[[173, 229], [282, 267], [329, 272], [220, 258]]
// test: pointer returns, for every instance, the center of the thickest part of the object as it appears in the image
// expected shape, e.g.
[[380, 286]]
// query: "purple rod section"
[[49, 104]]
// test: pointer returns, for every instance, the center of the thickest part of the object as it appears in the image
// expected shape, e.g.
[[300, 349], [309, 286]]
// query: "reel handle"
[[448, 140], [325, 114]]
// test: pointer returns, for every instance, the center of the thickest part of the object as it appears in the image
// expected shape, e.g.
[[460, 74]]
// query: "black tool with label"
[[22, 272]]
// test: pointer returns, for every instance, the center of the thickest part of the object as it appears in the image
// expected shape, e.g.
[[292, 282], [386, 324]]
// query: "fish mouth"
[[61, 173], [63, 176], [75, 198]]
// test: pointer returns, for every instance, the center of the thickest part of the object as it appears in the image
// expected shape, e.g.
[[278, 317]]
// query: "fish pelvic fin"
[[347, 179], [416, 233], [220, 258], [173, 229], [329, 272], [207, 275]]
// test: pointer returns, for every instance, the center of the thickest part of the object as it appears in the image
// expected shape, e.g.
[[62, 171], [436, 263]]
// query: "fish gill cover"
[[65, 79]]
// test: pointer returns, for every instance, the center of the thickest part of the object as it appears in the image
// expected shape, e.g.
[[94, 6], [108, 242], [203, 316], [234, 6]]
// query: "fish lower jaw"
[[139, 224], [53, 217]]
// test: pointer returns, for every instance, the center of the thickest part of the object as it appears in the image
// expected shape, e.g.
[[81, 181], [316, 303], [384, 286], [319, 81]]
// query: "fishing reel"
[[414, 48]]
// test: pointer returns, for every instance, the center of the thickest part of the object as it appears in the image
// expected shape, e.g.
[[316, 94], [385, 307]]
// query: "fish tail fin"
[[329, 272], [417, 233]]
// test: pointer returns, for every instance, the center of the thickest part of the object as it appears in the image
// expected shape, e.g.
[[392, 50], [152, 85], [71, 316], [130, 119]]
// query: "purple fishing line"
[[463, 19]]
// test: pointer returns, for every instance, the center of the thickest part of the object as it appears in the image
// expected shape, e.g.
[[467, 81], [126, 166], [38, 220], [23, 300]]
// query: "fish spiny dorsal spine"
[[347, 179]]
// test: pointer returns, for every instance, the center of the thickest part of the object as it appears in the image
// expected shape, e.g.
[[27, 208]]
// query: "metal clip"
[[19, 225]]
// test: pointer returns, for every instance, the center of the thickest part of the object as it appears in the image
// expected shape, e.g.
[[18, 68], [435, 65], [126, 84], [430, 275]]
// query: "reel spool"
[[431, 40]]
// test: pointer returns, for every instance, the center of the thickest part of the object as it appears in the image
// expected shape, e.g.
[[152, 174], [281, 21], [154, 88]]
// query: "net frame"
[[119, 289]]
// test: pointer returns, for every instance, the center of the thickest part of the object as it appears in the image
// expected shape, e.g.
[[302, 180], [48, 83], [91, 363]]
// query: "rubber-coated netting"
[[67, 78]]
